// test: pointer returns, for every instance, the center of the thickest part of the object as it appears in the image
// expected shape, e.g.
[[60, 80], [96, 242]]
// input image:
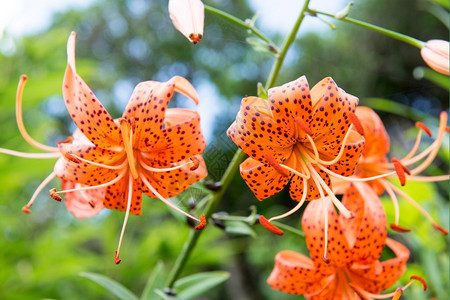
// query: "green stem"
[[284, 48], [237, 21], [239, 155], [401, 37]]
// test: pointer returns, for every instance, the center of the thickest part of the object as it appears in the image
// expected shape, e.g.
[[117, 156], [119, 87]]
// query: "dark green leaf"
[[111, 285]]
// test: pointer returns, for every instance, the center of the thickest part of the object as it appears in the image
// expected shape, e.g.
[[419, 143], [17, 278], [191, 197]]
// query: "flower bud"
[[188, 16], [435, 54]]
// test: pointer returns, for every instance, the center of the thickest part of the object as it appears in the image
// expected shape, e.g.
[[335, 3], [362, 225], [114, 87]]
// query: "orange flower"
[[352, 267], [374, 167], [294, 136], [188, 16], [150, 149], [435, 54]]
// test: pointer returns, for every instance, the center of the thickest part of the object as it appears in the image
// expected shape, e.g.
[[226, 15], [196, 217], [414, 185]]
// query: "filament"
[[119, 177], [121, 166], [46, 181], [297, 207], [31, 155], [356, 179], [391, 193], [127, 213]]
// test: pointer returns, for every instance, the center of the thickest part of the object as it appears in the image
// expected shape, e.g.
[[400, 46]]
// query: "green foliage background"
[[120, 44]]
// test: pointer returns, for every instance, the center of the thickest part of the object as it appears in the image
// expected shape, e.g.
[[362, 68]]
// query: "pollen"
[[399, 228], [400, 170], [55, 195], [117, 260], [269, 226], [196, 163], [202, 223], [423, 127], [424, 283]]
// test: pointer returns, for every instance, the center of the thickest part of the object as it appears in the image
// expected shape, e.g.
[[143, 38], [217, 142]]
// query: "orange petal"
[[366, 232], [256, 132], [263, 180], [188, 17], [85, 109], [295, 273], [338, 250], [436, 54], [377, 139], [379, 276], [83, 204], [116, 196]]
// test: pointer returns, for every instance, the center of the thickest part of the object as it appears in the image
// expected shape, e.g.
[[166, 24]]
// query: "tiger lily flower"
[[188, 17], [295, 134], [151, 149], [374, 167], [436, 54], [352, 268]]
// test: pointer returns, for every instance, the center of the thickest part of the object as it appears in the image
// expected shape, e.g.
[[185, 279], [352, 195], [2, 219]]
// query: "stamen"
[[316, 152], [269, 226], [424, 283], [271, 160], [26, 208], [414, 148], [388, 187], [127, 137], [325, 210], [158, 195], [397, 294], [95, 186], [303, 126], [297, 207], [354, 179], [424, 128], [341, 151], [66, 141], [399, 228], [196, 163], [400, 171], [125, 221], [118, 167], [440, 228], [19, 118], [71, 157], [193, 160], [357, 123], [31, 155], [55, 195], [202, 223]]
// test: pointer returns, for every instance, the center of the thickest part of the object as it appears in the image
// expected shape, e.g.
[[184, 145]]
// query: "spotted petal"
[[85, 109], [116, 196], [377, 139], [83, 203]]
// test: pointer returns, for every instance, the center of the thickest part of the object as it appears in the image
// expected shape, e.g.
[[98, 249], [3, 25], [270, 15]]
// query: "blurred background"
[[123, 42]]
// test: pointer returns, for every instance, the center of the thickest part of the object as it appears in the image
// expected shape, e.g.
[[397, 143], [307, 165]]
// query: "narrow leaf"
[[194, 285], [239, 228], [111, 285], [155, 280]]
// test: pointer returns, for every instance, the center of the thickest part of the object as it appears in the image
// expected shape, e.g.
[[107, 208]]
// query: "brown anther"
[[440, 228], [399, 228], [326, 260], [269, 226], [422, 281], [55, 195], [271, 160], [423, 127], [69, 156], [26, 209], [91, 204], [356, 123], [397, 294], [66, 141], [303, 126], [400, 170], [202, 223], [117, 260], [196, 163]]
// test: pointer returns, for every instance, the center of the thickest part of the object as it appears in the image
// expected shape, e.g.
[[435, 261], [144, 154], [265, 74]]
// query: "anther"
[[399, 228], [440, 228], [91, 204], [55, 195], [269, 226], [196, 163], [66, 141], [423, 127], [422, 281], [447, 129], [26, 209], [72, 158], [326, 260], [271, 160], [117, 260], [202, 223], [303, 126], [400, 170], [357, 123], [397, 294]]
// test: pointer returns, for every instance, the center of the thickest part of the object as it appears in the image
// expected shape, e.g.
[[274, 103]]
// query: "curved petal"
[[263, 180], [85, 109], [366, 232], [257, 133], [92, 153], [181, 138], [289, 101], [147, 107], [337, 288], [313, 224], [295, 273], [170, 183], [377, 139], [84, 203], [116, 196], [379, 276], [331, 106]]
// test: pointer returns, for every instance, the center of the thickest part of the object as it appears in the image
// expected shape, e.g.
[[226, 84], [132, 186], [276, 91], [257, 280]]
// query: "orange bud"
[[436, 54]]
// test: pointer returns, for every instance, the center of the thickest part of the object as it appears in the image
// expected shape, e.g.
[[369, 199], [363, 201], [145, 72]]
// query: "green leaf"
[[239, 228], [111, 285], [192, 286], [164, 295], [155, 280]]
